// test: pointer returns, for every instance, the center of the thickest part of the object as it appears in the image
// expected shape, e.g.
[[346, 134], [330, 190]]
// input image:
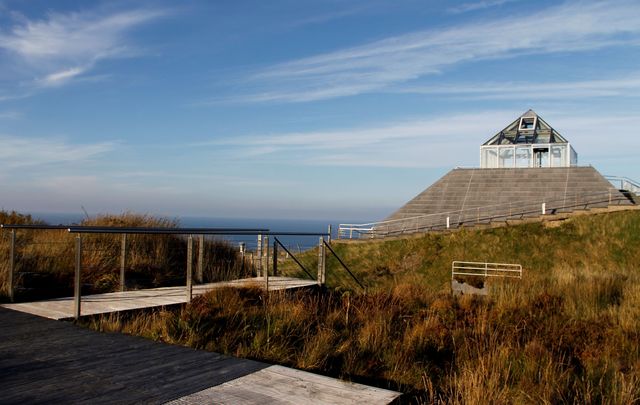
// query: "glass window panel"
[[558, 156], [490, 158], [506, 157], [574, 157], [523, 157]]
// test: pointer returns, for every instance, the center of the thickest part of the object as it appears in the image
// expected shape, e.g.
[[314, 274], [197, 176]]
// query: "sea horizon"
[[297, 242]]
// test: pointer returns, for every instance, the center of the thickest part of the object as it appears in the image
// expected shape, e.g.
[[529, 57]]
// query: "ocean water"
[[292, 242]]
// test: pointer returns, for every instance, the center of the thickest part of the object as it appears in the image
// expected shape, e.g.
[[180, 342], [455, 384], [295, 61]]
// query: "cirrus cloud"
[[61, 47]]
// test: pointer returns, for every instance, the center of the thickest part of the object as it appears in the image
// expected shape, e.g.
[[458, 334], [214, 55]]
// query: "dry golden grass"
[[569, 332], [152, 260]]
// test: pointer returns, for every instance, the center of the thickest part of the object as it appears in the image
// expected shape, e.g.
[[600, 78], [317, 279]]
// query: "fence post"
[[242, 253], [321, 262], [448, 223], [12, 264], [200, 275], [259, 254], [77, 282], [275, 258], [544, 208], [329, 232], [189, 268], [486, 270], [123, 260], [266, 264]]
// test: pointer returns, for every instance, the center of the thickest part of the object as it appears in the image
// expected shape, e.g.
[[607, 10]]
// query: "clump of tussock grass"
[[151, 261]]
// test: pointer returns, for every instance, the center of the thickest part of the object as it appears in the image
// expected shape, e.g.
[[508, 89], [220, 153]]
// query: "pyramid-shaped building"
[[527, 169]]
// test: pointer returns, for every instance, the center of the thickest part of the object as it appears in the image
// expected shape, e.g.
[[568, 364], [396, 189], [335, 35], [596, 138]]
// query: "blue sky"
[[317, 109]]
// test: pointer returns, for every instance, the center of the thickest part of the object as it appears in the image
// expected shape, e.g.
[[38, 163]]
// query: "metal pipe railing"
[[482, 269], [457, 218]]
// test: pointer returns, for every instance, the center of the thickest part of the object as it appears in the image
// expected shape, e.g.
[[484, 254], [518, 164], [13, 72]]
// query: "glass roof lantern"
[[527, 142]]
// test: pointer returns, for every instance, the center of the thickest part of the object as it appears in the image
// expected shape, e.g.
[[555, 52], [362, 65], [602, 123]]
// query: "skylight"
[[527, 123]]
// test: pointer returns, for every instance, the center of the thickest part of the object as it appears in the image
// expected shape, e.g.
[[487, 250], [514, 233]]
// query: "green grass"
[[568, 332]]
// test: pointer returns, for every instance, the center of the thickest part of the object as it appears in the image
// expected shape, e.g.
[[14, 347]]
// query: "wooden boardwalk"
[[44, 361], [62, 308]]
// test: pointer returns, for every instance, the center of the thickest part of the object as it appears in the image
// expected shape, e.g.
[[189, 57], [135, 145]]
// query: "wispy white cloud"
[[479, 5], [628, 86], [63, 76], [60, 47], [10, 115], [321, 18], [415, 143], [445, 141], [377, 66], [20, 152]]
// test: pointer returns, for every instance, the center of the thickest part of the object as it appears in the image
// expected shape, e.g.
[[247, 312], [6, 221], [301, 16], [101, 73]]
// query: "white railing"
[[624, 183], [484, 214], [506, 270]]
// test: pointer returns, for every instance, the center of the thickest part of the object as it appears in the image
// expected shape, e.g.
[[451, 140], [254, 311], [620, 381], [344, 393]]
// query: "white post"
[[544, 208], [448, 223]]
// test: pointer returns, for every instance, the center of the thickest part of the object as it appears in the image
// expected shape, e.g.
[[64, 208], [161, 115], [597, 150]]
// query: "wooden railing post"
[[189, 268], [12, 265], [242, 254], [321, 261], [77, 280], [259, 254], [266, 260], [123, 261], [200, 272], [275, 258]]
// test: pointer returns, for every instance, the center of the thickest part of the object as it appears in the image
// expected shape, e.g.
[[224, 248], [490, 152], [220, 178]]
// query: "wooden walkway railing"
[[262, 266]]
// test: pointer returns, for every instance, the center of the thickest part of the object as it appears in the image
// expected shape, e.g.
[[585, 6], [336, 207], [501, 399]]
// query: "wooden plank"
[[282, 385], [45, 361], [71, 364], [63, 308]]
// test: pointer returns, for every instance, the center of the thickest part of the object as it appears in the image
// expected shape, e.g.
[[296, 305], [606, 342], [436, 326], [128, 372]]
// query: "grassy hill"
[[568, 332]]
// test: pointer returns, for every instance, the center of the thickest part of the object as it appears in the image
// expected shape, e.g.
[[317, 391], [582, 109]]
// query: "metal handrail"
[[624, 183], [453, 219], [505, 270]]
